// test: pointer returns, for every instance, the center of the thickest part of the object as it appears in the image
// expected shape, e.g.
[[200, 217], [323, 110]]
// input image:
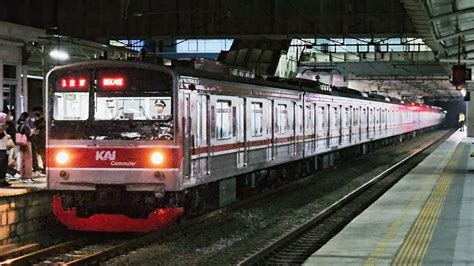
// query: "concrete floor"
[[426, 218]]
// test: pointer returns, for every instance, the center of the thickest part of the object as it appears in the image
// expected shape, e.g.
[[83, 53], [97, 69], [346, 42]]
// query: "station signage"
[[112, 82]]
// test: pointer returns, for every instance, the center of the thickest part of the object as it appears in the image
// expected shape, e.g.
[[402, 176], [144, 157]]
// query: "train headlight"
[[157, 158], [62, 157]]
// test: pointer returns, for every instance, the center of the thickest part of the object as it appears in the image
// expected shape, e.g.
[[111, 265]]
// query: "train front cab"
[[113, 160]]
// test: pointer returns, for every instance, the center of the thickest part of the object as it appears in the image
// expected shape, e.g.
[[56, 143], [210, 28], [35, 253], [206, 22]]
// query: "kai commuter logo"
[[105, 155]]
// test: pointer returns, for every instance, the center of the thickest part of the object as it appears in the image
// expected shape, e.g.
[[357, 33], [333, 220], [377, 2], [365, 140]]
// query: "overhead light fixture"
[[59, 55]]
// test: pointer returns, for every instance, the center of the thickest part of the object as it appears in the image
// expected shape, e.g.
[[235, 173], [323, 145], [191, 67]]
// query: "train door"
[[327, 126], [314, 107], [272, 126], [364, 132], [384, 122], [322, 126], [201, 143], [298, 128], [351, 117], [341, 124], [308, 129], [239, 128], [293, 130], [186, 124], [370, 118], [355, 125], [379, 118], [345, 124], [334, 126]]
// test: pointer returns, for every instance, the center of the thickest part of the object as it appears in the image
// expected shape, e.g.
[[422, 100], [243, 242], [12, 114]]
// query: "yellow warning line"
[[414, 247], [394, 228], [416, 243]]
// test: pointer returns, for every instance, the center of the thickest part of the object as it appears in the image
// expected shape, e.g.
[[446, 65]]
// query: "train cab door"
[[201, 137], [187, 139]]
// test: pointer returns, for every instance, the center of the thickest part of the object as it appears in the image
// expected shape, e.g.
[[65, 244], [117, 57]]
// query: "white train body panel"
[[224, 129]]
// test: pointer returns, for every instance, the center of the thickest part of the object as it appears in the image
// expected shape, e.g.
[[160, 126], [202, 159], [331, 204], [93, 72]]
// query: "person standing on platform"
[[25, 151], [461, 121], [38, 140], [3, 151]]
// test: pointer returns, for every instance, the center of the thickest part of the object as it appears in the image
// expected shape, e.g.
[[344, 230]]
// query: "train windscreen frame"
[[136, 104]]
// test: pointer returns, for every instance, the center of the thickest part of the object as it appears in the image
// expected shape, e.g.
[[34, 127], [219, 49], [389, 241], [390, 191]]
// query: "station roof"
[[96, 20], [447, 25]]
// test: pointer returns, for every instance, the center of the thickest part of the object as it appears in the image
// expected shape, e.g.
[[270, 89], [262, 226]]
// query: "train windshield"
[[133, 108], [113, 104]]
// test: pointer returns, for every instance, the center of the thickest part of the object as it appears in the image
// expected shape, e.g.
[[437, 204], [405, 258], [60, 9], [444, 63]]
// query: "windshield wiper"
[[143, 111], [118, 112]]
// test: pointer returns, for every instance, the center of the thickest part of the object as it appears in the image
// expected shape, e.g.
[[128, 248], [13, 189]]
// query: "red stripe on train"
[[109, 157]]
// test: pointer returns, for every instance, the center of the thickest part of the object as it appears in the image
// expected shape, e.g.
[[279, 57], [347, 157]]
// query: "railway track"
[[302, 241]]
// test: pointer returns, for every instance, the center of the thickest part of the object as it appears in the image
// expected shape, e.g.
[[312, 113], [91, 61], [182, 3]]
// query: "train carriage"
[[131, 146]]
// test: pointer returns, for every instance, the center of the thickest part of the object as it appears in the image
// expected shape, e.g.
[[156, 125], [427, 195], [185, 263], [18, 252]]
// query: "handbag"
[[21, 139]]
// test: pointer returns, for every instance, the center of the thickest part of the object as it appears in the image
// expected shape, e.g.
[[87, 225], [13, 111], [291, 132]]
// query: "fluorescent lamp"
[[59, 55]]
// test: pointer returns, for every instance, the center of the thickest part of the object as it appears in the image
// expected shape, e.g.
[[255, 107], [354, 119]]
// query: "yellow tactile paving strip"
[[415, 244], [393, 230], [414, 247]]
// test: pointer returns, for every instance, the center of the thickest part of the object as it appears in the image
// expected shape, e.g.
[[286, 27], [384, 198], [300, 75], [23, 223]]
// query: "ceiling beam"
[[455, 55], [456, 46], [452, 14], [455, 35]]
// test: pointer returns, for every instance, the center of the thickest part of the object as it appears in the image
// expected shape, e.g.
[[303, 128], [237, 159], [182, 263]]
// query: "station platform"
[[427, 218], [20, 188]]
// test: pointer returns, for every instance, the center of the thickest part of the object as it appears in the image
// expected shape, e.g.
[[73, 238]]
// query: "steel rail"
[[287, 238]]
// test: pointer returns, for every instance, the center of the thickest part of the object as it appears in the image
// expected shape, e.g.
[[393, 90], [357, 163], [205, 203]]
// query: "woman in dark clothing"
[[25, 152], [3, 152], [10, 129]]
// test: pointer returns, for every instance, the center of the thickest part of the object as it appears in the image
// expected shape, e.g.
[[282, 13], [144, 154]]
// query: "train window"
[[71, 105], [309, 117], [355, 117], [223, 119], [345, 118], [256, 119], [321, 117], [335, 118], [282, 118], [201, 120], [364, 117], [299, 119], [133, 108], [371, 117]]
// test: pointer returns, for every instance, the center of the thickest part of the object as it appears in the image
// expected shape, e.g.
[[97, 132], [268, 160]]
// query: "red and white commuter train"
[[131, 146]]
